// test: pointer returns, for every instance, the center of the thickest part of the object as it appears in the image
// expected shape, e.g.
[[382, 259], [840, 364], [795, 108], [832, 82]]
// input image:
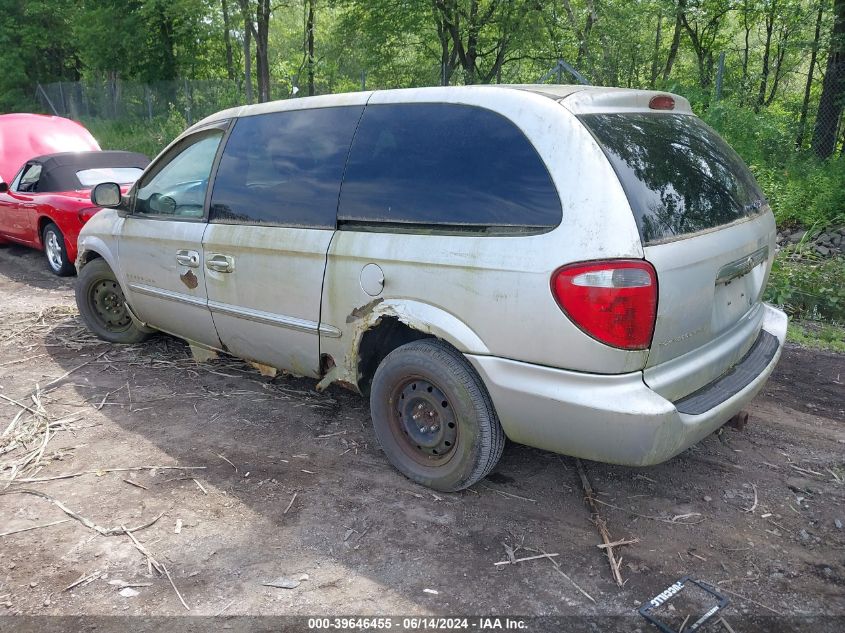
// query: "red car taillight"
[[614, 301], [87, 213]]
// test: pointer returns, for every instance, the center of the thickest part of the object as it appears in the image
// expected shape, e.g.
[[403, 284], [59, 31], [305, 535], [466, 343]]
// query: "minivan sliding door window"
[[445, 165]]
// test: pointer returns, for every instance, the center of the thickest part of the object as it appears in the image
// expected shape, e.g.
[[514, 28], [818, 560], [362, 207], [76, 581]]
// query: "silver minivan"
[[578, 269]]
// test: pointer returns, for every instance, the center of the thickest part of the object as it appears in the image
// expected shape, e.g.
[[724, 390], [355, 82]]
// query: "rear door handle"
[[191, 259], [220, 263]]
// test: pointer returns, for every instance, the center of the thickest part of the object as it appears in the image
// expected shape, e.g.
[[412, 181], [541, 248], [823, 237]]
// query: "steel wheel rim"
[[108, 303], [423, 422], [54, 250]]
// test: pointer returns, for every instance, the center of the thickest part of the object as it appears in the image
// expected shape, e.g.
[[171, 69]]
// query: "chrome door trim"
[[170, 295], [743, 266], [270, 318]]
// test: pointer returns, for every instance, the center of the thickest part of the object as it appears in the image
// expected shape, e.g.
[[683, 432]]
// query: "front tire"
[[55, 251], [102, 305], [433, 416]]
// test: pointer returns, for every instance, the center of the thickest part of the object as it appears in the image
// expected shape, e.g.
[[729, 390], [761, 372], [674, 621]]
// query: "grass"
[[819, 336]]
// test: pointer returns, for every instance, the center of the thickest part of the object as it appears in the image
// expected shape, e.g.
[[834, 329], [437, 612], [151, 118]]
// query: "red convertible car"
[[48, 201]]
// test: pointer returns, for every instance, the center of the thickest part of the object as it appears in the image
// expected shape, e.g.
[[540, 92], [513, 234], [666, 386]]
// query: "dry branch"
[[159, 567], [600, 524], [75, 515]]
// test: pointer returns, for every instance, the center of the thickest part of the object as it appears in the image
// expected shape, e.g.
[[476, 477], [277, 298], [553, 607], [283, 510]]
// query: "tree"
[[474, 31], [703, 21], [256, 15], [808, 86], [833, 87], [227, 39]]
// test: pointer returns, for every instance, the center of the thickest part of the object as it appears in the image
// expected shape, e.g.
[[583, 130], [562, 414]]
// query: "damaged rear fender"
[[422, 317]]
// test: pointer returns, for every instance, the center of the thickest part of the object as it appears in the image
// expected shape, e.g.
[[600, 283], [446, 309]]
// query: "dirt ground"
[[278, 480]]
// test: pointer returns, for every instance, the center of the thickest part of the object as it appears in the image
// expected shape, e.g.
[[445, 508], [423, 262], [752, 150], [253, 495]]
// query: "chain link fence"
[[117, 100], [129, 101]]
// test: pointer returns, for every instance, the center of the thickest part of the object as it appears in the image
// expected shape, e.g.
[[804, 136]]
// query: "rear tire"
[[433, 416], [102, 305], [56, 252]]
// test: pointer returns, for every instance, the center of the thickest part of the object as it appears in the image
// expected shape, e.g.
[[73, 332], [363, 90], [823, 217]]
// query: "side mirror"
[[4, 187], [107, 195]]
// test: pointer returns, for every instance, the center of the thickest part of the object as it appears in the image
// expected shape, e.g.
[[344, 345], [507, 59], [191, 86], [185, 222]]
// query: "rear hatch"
[[706, 229]]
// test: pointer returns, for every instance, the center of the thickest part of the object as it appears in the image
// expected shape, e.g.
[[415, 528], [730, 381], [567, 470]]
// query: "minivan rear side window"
[[284, 168], [679, 175], [445, 165]]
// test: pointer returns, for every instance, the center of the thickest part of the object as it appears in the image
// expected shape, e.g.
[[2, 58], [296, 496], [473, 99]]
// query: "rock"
[[797, 236], [304, 577], [838, 524], [824, 251], [128, 592], [282, 583], [805, 536], [836, 240], [708, 498]]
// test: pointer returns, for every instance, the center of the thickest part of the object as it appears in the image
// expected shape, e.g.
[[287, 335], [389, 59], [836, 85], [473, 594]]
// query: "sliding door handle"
[[220, 263]]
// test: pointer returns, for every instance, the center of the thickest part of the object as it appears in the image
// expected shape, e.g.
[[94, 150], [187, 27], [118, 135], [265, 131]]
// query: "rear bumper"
[[617, 418]]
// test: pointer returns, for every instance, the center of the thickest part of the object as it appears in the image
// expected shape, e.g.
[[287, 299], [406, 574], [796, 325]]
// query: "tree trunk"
[[227, 38], [262, 58], [767, 48], [833, 88], [805, 105], [655, 58], [673, 48], [248, 56], [309, 41], [746, 27]]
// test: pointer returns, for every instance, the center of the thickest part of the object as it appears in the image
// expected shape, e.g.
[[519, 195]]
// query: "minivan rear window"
[[445, 166], [679, 175]]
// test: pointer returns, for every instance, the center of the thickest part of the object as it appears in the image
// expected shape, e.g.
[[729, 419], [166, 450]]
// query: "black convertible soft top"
[[58, 171]]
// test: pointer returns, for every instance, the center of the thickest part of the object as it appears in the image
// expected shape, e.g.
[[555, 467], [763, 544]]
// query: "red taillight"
[[86, 214], [662, 102], [614, 301]]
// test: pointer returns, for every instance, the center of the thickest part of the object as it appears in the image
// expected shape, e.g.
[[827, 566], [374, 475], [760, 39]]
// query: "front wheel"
[[102, 305], [55, 251], [433, 416]]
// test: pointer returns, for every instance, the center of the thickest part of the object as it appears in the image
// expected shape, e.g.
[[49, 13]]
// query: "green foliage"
[[801, 189], [808, 290], [147, 137]]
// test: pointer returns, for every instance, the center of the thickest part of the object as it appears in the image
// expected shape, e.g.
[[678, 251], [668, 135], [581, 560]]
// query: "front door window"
[[177, 189]]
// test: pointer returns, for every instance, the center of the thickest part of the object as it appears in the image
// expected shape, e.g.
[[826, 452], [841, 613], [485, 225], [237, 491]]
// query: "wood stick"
[[227, 461], [70, 371], [630, 541], [107, 470], [74, 515], [200, 486], [159, 567], [753, 505], [20, 404], [292, 499], [562, 573], [34, 527], [600, 524], [520, 560], [83, 579], [759, 604], [509, 494]]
